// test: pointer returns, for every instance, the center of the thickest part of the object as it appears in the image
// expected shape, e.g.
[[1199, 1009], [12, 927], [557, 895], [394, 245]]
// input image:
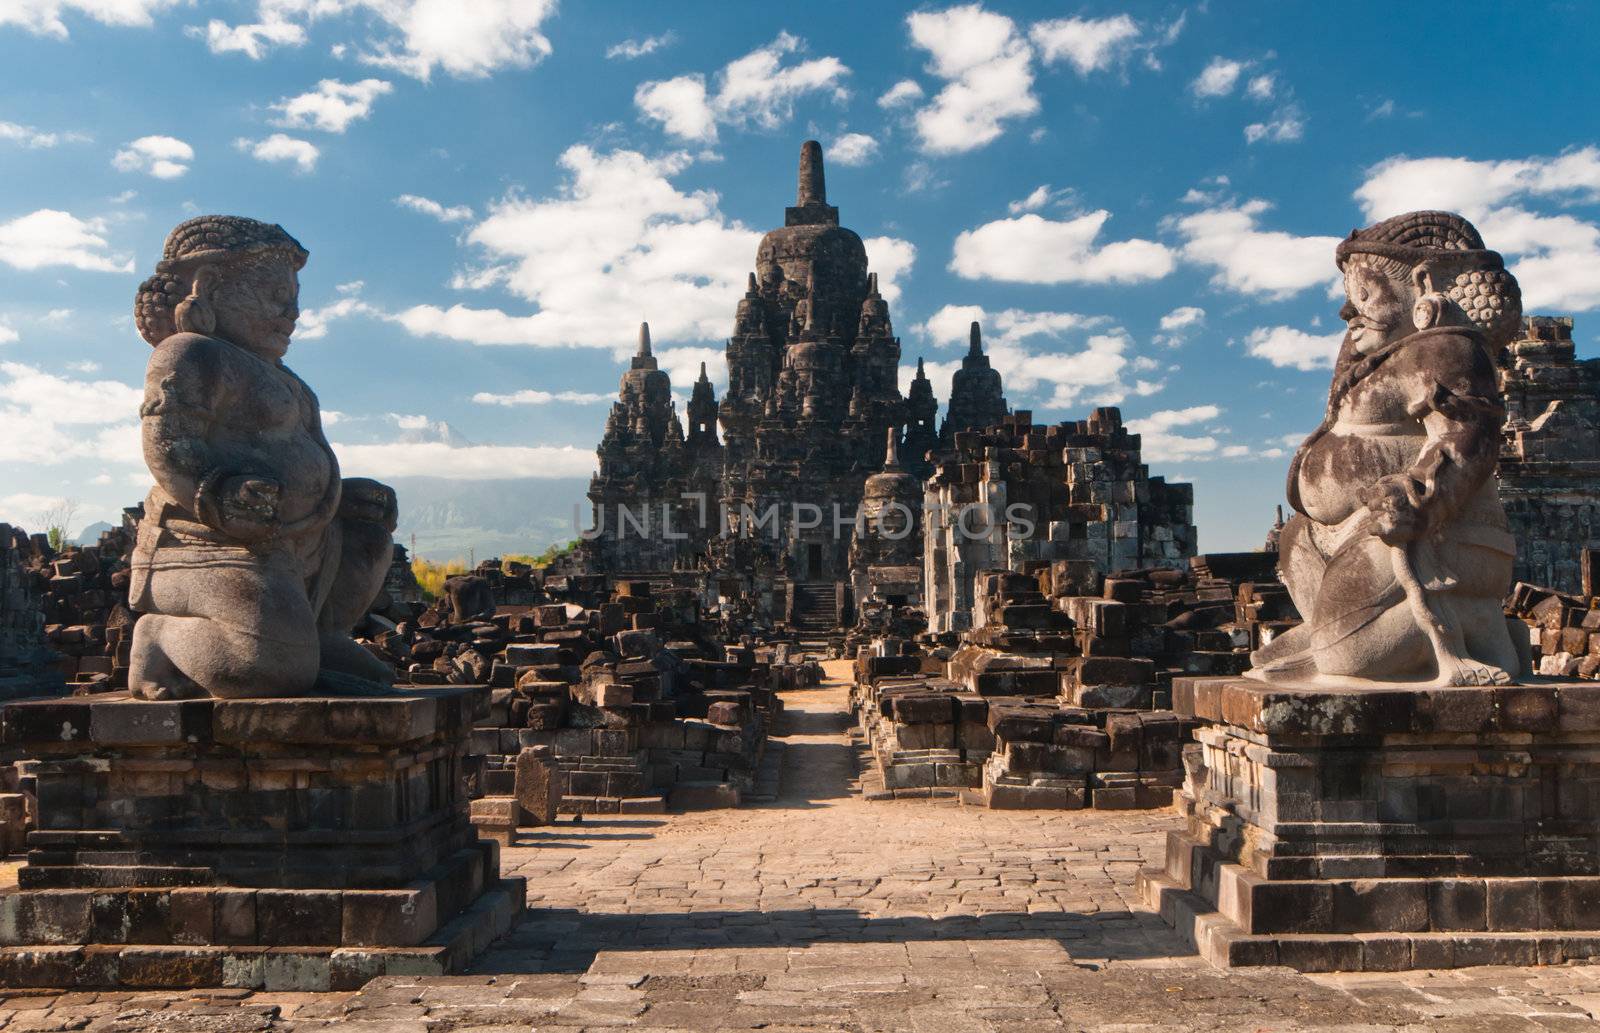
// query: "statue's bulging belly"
[[1337, 461]]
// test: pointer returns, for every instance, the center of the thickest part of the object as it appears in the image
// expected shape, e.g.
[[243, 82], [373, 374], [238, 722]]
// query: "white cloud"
[[44, 17], [164, 157], [1183, 316], [1252, 260], [757, 88], [1058, 378], [414, 37], [332, 106], [466, 40], [531, 396], [1088, 44], [427, 206], [463, 462], [616, 244], [1160, 442], [253, 40], [49, 237], [988, 71], [1285, 126], [891, 258], [904, 92], [683, 366], [1288, 348], [853, 149], [84, 366], [8, 334], [629, 49], [680, 105], [1218, 78], [1033, 249], [279, 147], [1262, 87], [314, 322], [36, 139], [47, 419], [1557, 255], [1032, 203]]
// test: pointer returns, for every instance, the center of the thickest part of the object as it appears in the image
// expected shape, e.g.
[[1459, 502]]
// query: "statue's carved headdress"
[[1468, 273], [205, 240]]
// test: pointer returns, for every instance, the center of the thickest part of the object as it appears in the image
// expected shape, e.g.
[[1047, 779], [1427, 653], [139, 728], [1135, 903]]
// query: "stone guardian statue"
[[255, 558], [1398, 554]]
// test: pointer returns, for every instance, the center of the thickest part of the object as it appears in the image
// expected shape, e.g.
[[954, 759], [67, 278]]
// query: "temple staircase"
[[816, 609]]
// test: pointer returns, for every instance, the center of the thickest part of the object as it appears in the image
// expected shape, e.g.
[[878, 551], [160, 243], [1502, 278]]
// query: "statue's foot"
[[1300, 667], [1462, 671], [343, 655], [158, 693]]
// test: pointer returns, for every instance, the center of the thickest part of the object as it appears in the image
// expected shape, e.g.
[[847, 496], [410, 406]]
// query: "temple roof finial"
[[813, 187], [750, 286], [872, 283], [974, 340], [703, 372], [891, 456], [920, 375], [644, 341]]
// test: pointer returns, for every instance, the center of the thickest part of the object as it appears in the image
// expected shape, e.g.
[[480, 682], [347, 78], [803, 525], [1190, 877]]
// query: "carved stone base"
[[277, 843], [1387, 829]]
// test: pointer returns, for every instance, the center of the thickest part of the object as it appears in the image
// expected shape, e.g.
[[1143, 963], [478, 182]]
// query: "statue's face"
[[1377, 308], [257, 304]]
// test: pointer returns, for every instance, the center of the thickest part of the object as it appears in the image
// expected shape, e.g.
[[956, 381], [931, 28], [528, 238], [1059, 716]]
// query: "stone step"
[[1224, 944]]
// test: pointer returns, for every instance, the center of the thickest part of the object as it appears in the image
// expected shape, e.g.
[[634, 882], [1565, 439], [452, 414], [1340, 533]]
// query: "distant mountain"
[[481, 519], [91, 535]]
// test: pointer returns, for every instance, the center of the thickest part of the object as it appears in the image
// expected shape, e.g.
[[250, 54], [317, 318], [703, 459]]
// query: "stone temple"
[[812, 409]]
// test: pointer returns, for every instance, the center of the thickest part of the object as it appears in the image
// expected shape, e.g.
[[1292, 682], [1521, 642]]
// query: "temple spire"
[[872, 283], [920, 375], [644, 341], [891, 457], [703, 373], [974, 341], [813, 187], [750, 287]]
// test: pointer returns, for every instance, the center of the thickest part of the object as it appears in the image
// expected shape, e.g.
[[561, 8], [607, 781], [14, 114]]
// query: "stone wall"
[[1550, 458]]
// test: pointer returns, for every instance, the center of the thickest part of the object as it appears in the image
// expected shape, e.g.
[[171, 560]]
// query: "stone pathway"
[[821, 912]]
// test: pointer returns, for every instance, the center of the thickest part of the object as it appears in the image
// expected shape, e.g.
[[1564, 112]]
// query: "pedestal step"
[[275, 969], [1223, 943]]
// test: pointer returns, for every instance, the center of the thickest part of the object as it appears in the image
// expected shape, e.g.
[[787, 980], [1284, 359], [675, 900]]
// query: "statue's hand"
[[248, 507], [1396, 509], [369, 501]]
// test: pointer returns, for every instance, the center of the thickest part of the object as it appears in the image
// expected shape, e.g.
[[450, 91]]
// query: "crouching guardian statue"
[[1398, 554], [254, 558]]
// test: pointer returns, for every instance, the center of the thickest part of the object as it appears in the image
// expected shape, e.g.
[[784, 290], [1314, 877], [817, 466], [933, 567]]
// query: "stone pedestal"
[[1387, 829], [307, 843]]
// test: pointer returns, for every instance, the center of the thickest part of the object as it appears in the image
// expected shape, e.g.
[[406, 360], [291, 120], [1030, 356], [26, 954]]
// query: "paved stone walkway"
[[823, 912]]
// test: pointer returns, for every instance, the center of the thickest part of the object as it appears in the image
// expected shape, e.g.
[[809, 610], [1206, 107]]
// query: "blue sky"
[[1138, 201]]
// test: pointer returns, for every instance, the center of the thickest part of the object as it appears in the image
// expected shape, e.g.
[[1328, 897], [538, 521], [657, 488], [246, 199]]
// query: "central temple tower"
[[812, 384]]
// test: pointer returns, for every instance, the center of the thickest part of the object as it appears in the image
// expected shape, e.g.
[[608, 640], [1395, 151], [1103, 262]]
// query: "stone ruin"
[[1079, 489], [1550, 457], [1061, 696]]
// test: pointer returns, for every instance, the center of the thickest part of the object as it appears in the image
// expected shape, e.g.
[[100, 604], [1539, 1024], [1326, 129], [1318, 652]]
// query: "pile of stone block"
[[1563, 630], [25, 668], [82, 593], [629, 695], [1060, 693]]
